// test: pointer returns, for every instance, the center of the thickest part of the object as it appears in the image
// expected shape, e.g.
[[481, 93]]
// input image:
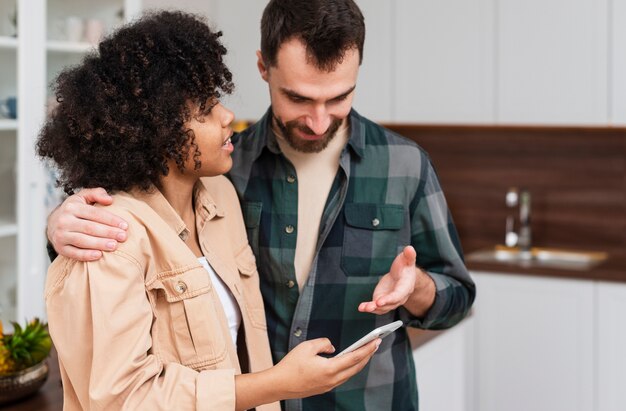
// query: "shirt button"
[[298, 332], [180, 287], [290, 284], [376, 222], [291, 178], [289, 229]]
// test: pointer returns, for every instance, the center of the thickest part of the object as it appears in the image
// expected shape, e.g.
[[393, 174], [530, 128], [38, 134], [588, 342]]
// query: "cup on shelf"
[[8, 107], [94, 30], [74, 28]]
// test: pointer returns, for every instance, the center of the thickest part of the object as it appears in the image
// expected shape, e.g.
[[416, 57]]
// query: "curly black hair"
[[122, 112]]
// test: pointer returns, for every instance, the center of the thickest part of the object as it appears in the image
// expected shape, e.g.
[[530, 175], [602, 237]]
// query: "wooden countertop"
[[612, 269]]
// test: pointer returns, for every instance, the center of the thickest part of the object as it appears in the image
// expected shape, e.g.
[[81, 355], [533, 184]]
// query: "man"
[[330, 200]]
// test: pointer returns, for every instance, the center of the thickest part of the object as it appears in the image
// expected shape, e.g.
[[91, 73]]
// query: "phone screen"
[[380, 332]]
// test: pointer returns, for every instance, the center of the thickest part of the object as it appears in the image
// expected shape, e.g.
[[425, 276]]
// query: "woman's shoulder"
[[141, 220], [132, 210], [127, 254]]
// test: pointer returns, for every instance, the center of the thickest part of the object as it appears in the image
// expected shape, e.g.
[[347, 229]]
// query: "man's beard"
[[302, 145]]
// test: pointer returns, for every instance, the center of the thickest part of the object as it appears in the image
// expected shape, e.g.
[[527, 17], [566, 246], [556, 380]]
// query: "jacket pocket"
[[370, 237], [246, 264], [188, 312], [252, 218]]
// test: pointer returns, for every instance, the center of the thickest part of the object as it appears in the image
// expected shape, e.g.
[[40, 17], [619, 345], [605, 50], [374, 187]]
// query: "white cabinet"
[[8, 165], [611, 350], [443, 367], [374, 96], [28, 63], [534, 347], [549, 344], [617, 83], [552, 61], [22, 249], [444, 61], [242, 38], [30, 187]]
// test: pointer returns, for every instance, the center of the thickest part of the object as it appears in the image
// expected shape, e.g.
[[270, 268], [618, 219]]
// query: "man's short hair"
[[328, 28]]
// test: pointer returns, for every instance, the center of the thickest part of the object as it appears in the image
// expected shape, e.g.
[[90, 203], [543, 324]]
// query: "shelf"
[[56, 46], [8, 42], [8, 124], [7, 228]]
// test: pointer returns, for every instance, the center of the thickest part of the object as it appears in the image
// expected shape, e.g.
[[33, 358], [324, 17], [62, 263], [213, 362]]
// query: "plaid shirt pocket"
[[370, 230]]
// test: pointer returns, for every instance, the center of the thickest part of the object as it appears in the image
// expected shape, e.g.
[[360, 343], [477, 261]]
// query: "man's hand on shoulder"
[[79, 230]]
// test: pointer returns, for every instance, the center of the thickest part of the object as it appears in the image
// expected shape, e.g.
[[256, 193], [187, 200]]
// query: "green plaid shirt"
[[385, 195]]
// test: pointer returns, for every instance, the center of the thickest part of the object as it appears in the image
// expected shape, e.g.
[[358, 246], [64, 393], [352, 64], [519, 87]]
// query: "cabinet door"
[[534, 343], [443, 367], [242, 37], [611, 352], [618, 60], [373, 97], [30, 184], [552, 61], [443, 61]]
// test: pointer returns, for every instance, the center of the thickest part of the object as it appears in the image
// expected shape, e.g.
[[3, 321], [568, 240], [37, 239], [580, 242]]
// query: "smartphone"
[[380, 332]]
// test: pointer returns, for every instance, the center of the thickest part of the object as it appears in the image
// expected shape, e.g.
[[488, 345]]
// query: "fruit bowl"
[[23, 383]]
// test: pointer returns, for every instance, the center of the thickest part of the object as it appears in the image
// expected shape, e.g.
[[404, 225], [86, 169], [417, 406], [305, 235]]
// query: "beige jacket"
[[143, 328]]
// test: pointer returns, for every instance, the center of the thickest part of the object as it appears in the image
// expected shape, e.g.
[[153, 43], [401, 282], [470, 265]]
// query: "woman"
[[172, 317]]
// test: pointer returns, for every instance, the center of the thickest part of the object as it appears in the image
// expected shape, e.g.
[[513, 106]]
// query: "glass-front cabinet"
[[59, 34]]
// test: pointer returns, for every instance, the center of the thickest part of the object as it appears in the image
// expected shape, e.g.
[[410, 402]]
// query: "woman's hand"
[[302, 373]]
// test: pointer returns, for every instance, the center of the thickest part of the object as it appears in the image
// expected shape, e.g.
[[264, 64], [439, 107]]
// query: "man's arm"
[[78, 230], [441, 292]]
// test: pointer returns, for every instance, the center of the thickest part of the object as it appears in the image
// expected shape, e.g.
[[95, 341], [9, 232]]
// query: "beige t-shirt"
[[316, 173]]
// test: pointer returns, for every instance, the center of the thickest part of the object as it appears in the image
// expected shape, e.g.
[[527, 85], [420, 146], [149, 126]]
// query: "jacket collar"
[[205, 206]]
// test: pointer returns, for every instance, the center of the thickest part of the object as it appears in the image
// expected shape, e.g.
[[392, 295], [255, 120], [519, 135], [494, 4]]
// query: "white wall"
[[242, 37], [618, 62], [444, 66], [552, 57], [204, 7]]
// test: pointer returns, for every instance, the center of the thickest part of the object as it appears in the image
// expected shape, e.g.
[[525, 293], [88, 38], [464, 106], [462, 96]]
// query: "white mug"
[[94, 30], [74, 28]]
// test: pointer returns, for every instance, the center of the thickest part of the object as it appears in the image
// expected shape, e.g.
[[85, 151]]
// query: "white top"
[[231, 309]]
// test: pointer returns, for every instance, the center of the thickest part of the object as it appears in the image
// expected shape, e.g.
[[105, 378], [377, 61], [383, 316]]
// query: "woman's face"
[[212, 132]]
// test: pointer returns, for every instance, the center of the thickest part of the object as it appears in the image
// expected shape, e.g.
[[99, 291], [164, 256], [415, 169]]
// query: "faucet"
[[523, 237]]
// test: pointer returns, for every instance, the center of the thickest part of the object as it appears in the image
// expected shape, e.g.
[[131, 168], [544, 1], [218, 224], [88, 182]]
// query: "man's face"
[[309, 104]]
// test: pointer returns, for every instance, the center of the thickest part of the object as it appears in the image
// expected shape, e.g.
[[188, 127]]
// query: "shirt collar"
[[357, 133], [205, 206]]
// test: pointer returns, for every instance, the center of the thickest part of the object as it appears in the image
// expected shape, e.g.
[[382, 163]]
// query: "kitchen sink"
[[539, 257]]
